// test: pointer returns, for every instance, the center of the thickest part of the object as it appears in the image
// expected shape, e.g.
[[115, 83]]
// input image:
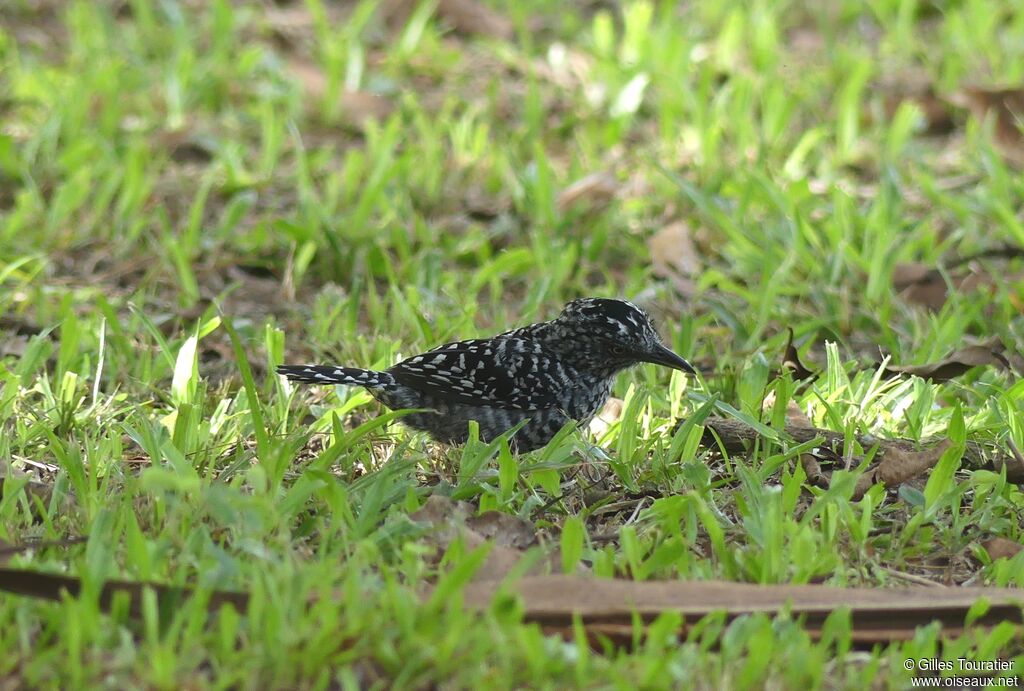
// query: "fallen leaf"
[[441, 511], [1006, 108], [797, 417], [15, 346], [484, 206], [927, 286], [920, 285], [450, 520], [11, 477], [674, 257], [914, 86], [595, 191], [18, 325], [610, 607], [791, 361], [899, 465], [957, 363], [1001, 548], [794, 415], [938, 116], [504, 529], [187, 144]]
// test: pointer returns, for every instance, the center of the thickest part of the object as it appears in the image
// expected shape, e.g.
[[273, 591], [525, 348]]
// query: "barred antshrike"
[[546, 373]]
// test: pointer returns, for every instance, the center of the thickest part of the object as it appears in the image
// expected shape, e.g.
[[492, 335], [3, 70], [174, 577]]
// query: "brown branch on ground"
[[56, 587], [610, 609], [898, 459]]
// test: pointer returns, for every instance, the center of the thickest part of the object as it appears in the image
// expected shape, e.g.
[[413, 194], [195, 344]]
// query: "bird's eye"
[[618, 350]]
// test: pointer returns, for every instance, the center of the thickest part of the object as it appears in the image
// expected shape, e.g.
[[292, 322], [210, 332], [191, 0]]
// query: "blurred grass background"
[[193, 192]]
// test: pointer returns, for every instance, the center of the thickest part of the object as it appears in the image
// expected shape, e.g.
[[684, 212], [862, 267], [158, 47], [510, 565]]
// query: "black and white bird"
[[546, 373]]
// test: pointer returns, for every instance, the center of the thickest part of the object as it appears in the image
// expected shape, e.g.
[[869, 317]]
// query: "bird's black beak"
[[661, 355]]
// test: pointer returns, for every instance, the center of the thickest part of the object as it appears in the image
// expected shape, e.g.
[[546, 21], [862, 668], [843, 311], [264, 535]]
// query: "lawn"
[[820, 205]]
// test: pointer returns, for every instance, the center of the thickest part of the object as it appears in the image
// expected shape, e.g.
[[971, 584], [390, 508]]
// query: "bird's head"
[[611, 335]]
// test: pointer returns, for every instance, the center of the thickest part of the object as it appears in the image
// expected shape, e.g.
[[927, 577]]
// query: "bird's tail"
[[328, 374]]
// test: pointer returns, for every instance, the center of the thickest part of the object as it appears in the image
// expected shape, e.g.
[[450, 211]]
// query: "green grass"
[[178, 216]]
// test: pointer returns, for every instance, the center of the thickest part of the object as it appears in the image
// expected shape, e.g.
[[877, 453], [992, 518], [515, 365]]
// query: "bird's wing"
[[496, 372]]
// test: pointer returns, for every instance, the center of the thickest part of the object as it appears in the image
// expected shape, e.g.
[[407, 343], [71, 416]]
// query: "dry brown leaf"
[[927, 286], [899, 465], [674, 257], [1001, 548], [595, 191], [187, 144], [913, 86], [450, 520], [438, 511], [957, 363], [1006, 108], [797, 417], [504, 529], [18, 325], [14, 346], [482, 205], [42, 491], [938, 115], [609, 607], [920, 285], [791, 361], [794, 415]]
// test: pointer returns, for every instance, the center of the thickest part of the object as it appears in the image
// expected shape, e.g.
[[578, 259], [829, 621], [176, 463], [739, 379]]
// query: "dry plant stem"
[[735, 436]]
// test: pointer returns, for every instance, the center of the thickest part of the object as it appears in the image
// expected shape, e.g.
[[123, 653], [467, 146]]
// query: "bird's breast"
[[587, 396]]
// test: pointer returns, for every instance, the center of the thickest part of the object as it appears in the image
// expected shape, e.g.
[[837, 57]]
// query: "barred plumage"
[[546, 373]]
